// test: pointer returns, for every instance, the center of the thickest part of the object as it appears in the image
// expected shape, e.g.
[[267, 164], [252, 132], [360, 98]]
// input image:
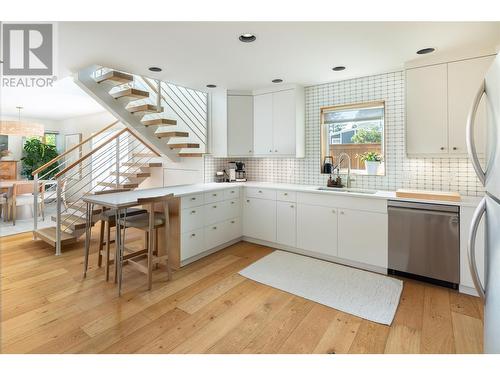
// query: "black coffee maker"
[[241, 175]]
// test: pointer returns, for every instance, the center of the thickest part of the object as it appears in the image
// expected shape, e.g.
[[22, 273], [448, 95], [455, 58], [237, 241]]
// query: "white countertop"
[[128, 199]]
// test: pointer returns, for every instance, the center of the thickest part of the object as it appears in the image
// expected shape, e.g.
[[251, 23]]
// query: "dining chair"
[[21, 194]]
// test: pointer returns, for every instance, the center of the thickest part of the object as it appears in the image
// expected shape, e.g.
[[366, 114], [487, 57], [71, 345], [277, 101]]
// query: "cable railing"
[[114, 155]]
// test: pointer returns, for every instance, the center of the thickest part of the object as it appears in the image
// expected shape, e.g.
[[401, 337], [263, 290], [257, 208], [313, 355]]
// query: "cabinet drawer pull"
[[275, 150], [232, 202], [232, 191], [442, 148], [193, 199], [342, 212], [260, 191], [285, 194], [214, 206], [455, 148], [214, 194], [333, 211], [193, 235], [292, 206], [214, 228], [232, 221], [270, 150], [248, 200], [193, 212]]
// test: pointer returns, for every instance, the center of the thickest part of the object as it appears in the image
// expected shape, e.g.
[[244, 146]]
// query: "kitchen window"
[[355, 132]]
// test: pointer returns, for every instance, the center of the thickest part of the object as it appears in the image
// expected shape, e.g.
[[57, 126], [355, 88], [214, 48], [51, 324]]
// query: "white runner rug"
[[365, 294]]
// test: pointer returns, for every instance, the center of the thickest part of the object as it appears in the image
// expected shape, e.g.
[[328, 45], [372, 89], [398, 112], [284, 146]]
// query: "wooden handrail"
[[101, 146], [46, 165], [90, 153]]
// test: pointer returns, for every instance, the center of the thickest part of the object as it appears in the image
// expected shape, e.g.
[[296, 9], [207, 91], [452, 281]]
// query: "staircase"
[[171, 119], [114, 160], [154, 120]]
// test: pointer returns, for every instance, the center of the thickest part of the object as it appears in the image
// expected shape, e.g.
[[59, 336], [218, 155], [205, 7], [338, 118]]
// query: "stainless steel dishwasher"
[[424, 242]]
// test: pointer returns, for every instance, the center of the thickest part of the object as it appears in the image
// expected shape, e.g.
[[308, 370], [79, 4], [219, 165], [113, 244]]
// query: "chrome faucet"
[[341, 159]]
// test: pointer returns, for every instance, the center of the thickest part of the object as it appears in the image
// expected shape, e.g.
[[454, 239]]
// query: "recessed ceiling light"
[[154, 69], [211, 86], [424, 51], [277, 80], [247, 38], [338, 68]]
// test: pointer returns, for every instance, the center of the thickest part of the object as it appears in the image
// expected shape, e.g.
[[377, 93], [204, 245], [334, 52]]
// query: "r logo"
[[27, 49]]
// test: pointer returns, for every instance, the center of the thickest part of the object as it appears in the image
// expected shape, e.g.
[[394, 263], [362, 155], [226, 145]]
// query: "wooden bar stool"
[[108, 221], [150, 223]]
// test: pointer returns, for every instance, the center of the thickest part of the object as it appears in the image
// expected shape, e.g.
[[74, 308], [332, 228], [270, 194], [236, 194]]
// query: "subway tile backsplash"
[[454, 174]]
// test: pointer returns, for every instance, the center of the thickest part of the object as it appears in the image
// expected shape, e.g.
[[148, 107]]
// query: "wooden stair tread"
[[130, 93], [82, 207], [190, 154], [171, 134], [133, 175], [127, 185], [144, 108], [115, 77], [143, 155], [159, 121], [183, 145], [72, 222], [49, 235], [142, 165]]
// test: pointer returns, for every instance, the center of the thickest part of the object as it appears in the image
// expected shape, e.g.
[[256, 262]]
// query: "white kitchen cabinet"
[[317, 229], [279, 127], [363, 237], [464, 79], [240, 125], [215, 235], [263, 124], [232, 229], [192, 243], [286, 223], [427, 110], [284, 122], [466, 214], [259, 219], [438, 100]]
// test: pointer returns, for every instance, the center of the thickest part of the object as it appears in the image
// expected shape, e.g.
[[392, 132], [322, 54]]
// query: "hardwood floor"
[[208, 307]]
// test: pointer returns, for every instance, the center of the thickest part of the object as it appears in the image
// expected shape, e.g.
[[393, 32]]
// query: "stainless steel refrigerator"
[[489, 206]]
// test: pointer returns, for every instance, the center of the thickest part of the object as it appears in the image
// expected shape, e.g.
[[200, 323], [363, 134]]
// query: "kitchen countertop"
[[124, 199]]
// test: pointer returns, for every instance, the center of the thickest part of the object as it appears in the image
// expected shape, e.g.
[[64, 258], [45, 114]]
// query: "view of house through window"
[[354, 132]]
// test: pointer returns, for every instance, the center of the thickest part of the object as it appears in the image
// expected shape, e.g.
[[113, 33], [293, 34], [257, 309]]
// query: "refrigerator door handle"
[[471, 146], [471, 248]]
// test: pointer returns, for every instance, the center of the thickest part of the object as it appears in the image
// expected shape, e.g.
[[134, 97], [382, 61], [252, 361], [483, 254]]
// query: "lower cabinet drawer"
[[216, 212], [233, 228], [192, 243], [215, 235], [192, 200], [192, 218], [252, 192], [234, 208]]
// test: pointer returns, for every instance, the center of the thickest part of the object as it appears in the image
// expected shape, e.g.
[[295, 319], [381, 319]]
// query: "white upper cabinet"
[[464, 79], [284, 122], [279, 123], [239, 125], [263, 124], [438, 99], [426, 110]]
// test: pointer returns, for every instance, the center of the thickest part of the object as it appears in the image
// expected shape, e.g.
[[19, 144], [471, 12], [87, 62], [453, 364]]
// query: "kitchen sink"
[[348, 190]]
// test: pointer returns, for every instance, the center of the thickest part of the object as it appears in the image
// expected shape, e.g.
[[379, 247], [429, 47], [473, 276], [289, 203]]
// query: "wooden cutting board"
[[429, 195]]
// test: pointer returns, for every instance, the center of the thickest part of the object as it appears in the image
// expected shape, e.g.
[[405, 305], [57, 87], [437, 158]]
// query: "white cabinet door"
[[363, 237], [233, 229], [317, 229], [286, 223], [464, 79], [192, 243], [239, 125], [284, 122], [263, 124], [259, 219], [427, 110], [215, 235]]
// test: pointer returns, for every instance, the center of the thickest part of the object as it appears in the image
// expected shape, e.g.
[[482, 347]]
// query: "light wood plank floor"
[[206, 308]]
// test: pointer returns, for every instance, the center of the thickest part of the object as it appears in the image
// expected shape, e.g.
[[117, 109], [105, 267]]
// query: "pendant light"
[[22, 128]]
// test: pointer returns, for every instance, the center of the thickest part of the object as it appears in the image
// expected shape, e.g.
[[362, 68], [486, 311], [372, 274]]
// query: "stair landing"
[[49, 235]]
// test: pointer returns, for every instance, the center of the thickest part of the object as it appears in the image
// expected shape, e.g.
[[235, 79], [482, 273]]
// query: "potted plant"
[[35, 154], [372, 161]]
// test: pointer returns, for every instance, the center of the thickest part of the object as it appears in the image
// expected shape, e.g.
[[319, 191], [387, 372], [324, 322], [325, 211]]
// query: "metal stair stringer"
[[84, 79]]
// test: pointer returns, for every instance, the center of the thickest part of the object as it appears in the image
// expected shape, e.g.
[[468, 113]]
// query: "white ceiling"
[[194, 54], [64, 100]]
